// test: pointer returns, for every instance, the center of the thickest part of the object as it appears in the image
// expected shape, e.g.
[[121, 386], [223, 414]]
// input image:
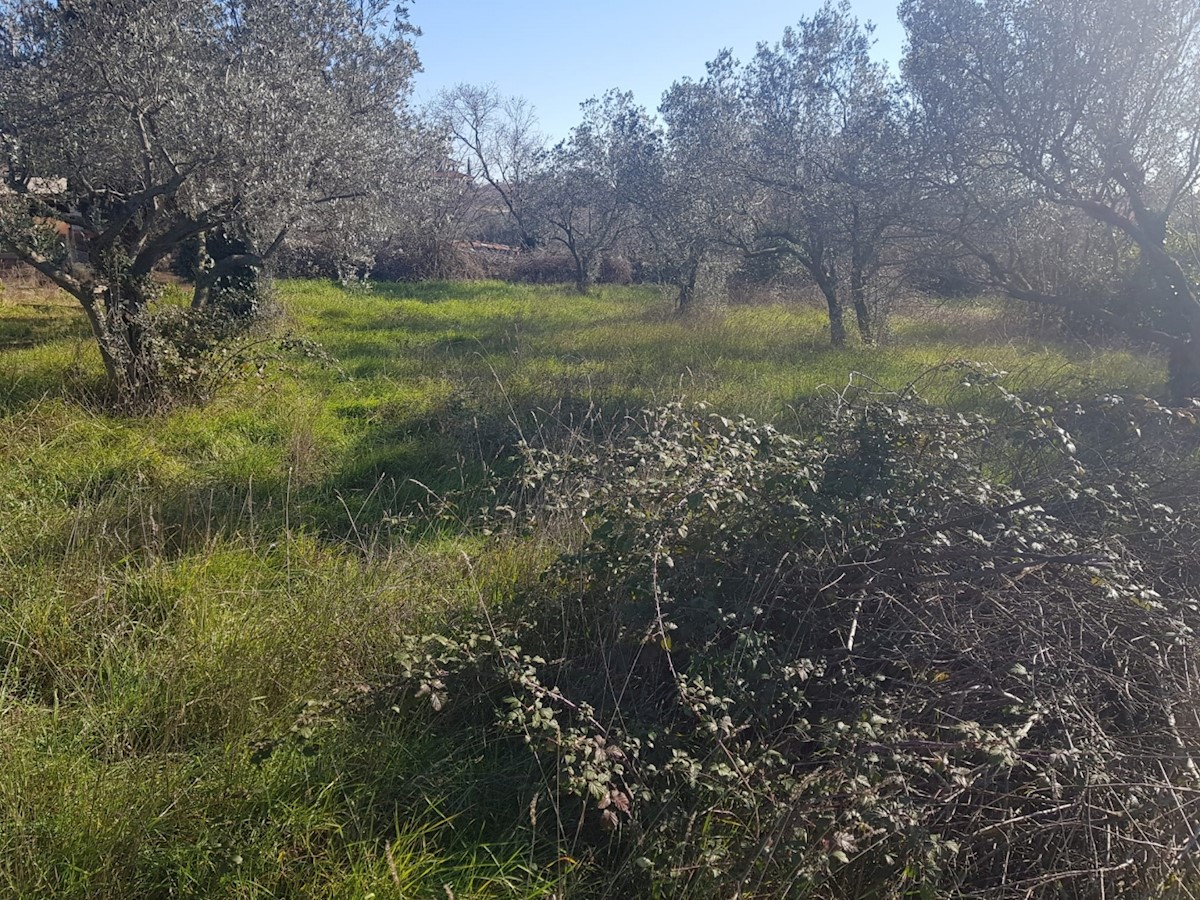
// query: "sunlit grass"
[[174, 588], [624, 346]]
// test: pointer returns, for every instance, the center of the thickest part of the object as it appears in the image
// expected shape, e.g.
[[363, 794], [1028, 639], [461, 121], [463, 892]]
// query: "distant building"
[[447, 170]]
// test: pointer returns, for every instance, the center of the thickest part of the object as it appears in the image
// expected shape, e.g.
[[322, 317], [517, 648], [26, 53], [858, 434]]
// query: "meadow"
[[181, 592]]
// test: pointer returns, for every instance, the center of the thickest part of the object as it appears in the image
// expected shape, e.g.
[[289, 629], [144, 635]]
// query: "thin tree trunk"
[[827, 281], [1183, 371], [687, 289], [687, 294], [203, 283], [140, 374], [583, 275], [120, 335], [1164, 277], [860, 263], [88, 299], [837, 324], [858, 296]]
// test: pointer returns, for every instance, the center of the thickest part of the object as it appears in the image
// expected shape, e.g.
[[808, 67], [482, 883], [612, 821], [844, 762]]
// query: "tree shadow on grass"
[[410, 475], [24, 332], [404, 478], [44, 352], [31, 383], [415, 472], [439, 291]]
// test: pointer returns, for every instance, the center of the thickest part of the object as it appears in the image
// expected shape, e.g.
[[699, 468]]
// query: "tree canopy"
[[1037, 113], [148, 124], [1050, 147]]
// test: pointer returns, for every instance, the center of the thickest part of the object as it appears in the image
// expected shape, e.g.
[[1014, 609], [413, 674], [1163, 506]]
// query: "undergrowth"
[[918, 652], [200, 610]]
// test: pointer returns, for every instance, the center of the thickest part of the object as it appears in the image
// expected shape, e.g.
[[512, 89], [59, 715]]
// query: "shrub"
[[544, 268], [769, 279], [198, 352], [922, 651], [439, 260], [615, 270]]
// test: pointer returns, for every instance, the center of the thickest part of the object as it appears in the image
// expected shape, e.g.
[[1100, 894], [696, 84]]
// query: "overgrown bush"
[[544, 268], [615, 270], [943, 276], [769, 279], [433, 259], [919, 653], [198, 352]]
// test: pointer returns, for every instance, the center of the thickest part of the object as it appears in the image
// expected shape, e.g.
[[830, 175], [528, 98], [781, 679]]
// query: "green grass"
[[624, 346], [173, 589]]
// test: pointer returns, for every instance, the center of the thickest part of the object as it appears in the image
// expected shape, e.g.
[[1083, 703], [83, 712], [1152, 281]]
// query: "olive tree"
[[581, 192], [701, 202], [827, 151], [150, 123], [1041, 116]]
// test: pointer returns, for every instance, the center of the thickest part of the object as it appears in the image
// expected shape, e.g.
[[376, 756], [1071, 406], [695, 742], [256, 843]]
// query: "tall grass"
[[175, 589]]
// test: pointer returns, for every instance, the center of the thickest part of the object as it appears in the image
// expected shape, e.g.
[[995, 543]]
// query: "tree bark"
[[583, 274], [687, 289], [858, 296], [90, 298], [827, 282], [116, 315], [860, 264], [1183, 372], [203, 282], [837, 325], [126, 307]]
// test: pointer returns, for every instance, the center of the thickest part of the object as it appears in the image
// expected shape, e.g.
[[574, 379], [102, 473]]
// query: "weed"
[[175, 588]]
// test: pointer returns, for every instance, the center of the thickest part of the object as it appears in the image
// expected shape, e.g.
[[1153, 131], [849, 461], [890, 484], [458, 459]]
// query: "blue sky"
[[557, 55]]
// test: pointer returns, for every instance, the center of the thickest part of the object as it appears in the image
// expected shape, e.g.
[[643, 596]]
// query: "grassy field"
[[179, 589]]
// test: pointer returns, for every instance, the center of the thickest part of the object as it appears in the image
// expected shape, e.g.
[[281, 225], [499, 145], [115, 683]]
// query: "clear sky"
[[558, 54]]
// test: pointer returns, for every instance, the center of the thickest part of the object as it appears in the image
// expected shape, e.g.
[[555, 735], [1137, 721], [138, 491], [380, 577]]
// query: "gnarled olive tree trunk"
[[117, 312]]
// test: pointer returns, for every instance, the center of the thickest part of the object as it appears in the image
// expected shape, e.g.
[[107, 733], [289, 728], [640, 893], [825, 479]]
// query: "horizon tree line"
[[1045, 149], [1048, 151]]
